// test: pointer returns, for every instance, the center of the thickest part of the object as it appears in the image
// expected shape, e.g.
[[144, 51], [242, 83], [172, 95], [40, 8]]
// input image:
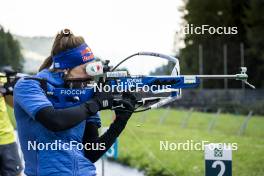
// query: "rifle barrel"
[[217, 76]]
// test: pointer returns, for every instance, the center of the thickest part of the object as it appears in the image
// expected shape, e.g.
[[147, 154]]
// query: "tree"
[[164, 69], [254, 53], [224, 13], [10, 53], [217, 13]]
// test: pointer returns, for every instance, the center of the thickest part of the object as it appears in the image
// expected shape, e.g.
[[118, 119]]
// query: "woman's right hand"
[[104, 100]]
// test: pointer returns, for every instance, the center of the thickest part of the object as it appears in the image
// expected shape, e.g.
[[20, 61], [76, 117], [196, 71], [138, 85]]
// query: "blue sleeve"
[[30, 96], [94, 119]]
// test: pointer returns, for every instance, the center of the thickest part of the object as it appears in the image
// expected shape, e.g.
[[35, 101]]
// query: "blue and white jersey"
[[40, 156]]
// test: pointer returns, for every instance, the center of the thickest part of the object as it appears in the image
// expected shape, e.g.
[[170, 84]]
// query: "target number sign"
[[218, 160]]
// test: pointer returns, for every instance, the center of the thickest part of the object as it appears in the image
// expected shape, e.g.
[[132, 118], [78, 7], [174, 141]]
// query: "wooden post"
[[225, 66], [213, 121], [245, 123], [186, 119], [164, 115]]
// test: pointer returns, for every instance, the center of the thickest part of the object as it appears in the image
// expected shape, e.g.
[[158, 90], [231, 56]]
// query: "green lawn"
[[139, 144]]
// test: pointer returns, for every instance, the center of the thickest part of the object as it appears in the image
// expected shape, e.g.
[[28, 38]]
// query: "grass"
[[139, 144]]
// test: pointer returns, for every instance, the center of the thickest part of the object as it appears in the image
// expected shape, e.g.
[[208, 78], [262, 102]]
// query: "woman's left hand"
[[128, 101]]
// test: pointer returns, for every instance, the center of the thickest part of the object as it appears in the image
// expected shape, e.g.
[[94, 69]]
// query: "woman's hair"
[[64, 40]]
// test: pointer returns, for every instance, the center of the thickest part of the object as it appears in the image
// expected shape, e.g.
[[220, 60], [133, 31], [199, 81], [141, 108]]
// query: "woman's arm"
[[62, 119], [33, 100], [108, 138], [91, 136]]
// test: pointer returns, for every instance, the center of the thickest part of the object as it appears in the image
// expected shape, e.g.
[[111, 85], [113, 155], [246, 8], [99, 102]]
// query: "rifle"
[[7, 78], [166, 88], [169, 85]]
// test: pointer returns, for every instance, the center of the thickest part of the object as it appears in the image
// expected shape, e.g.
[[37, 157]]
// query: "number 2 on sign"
[[222, 167]]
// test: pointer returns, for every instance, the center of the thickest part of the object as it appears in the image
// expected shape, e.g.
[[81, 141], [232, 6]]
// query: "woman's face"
[[78, 72]]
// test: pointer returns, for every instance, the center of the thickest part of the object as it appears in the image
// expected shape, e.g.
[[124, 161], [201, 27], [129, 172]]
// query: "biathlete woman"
[[41, 122]]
